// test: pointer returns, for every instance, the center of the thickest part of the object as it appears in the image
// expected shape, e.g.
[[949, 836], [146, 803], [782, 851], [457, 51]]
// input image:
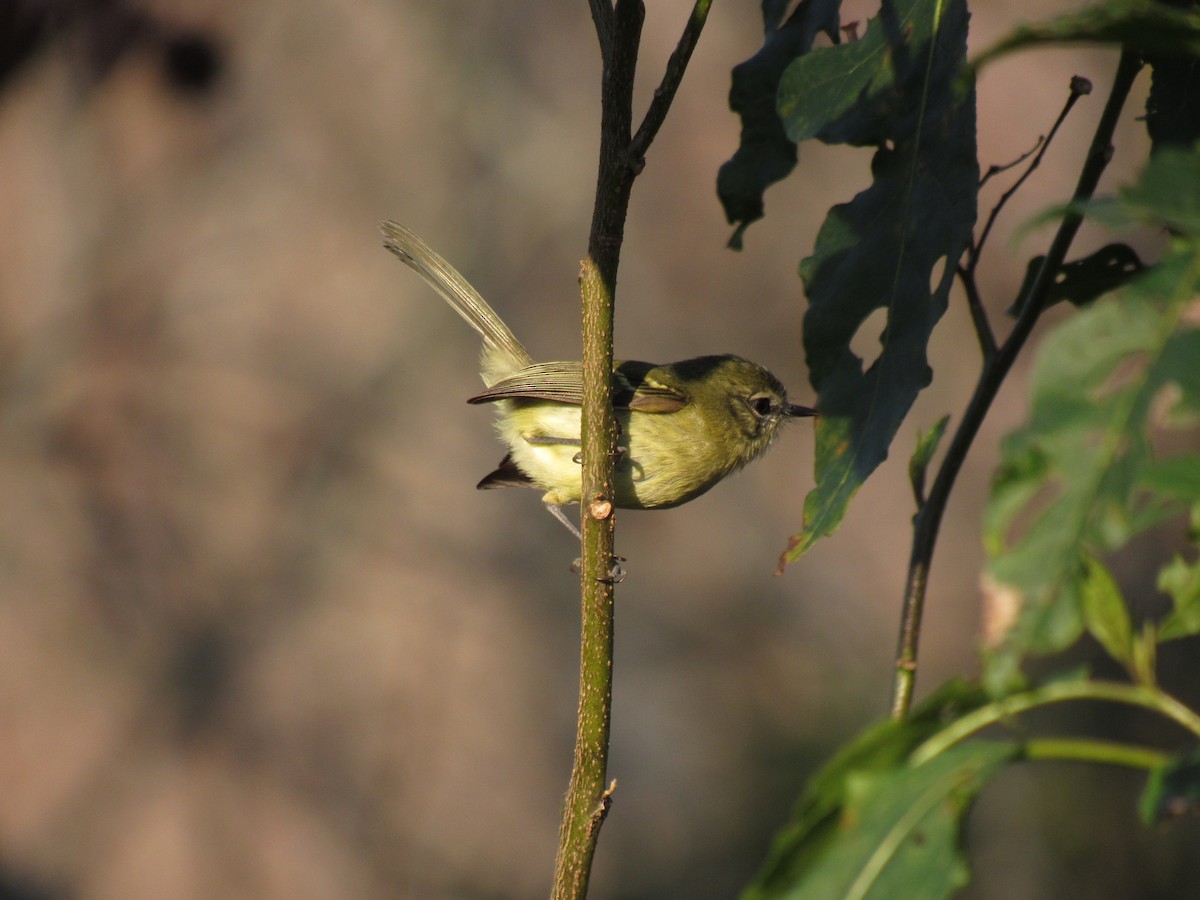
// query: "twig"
[[588, 798], [665, 92], [994, 170], [1079, 88], [929, 517]]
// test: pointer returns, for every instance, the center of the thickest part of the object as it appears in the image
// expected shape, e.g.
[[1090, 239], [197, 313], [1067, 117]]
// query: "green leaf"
[[1182, 582], [1173, 789], [1105, 612], [893, 247], [1138, 24], [819, 823], [899, 833], [1072, 483], [927, 444], [1168, 192], [765, 154]]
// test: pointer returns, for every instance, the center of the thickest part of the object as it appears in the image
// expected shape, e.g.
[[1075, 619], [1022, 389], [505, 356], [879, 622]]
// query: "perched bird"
[[683, 426]]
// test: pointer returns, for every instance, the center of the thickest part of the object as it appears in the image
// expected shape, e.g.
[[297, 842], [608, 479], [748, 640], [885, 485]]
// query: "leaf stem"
[[1108, 753], [928, 519], [1151, 698]]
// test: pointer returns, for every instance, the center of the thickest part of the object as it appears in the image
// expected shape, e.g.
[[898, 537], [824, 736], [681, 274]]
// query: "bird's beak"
[[795, 411]]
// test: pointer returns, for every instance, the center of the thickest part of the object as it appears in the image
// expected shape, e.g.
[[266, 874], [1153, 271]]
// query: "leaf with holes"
[[894, 247], [765, 154]]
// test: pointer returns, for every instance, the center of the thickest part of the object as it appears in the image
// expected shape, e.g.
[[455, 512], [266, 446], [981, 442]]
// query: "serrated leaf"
[[882, 250], [1071, 482], [1105, 613], [1173, 789], [1181, 581], [817, 821], [765, 154], [1138, 24], [899, 833]]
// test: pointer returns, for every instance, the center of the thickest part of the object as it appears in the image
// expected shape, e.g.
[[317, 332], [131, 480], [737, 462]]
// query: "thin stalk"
[[1105, 753], [1057, 692], [928, 519]]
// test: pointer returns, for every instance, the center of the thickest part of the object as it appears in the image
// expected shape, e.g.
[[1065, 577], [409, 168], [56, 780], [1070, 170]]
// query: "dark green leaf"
[[893, 247], [1083, 280], [1173, 107], [1168, 191], [818, 823], [1105, 613], [1173, 789], [764, 154], [927, 444], [1139, 24]]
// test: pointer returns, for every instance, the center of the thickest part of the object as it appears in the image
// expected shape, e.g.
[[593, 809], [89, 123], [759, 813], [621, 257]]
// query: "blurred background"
[[259, 635]]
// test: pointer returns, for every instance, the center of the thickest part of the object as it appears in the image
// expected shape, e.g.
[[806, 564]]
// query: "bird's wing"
[[634, 387]]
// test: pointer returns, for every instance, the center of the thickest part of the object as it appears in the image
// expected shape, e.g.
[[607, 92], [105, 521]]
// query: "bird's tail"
[[503, 354]]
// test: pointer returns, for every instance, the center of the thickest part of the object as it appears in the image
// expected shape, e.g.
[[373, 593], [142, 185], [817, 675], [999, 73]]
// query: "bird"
[[683, 426]]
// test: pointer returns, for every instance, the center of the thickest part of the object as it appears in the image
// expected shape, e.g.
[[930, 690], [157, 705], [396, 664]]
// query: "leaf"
[[1083, 280], [893, 247], [1182, 582], [1105, 613], [818, 823], [1072, 482], [1138, 24], [899, 833], [927, 444], [1173, 789], [764, 154]]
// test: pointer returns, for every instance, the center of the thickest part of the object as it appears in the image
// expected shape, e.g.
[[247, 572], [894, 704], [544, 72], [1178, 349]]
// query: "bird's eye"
[[762, 404]]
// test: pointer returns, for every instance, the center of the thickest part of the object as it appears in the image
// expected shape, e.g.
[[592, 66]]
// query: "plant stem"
[[928, 519], [589, 795], [1056, 692], [1107, 753]]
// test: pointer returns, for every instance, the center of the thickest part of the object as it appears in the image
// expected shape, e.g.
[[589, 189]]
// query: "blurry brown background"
[[259, 636]]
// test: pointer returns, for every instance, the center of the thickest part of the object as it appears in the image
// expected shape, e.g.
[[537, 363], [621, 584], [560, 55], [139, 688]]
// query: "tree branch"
[[589, 794], [929, 517]]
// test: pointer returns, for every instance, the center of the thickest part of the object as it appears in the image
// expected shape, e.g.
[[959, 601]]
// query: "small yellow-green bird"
[[683, 426]]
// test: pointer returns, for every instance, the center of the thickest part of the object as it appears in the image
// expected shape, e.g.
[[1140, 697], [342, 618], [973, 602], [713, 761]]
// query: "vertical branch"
[[589, 795], [929, 516]]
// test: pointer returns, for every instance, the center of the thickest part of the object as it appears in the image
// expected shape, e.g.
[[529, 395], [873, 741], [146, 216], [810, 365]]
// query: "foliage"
[[1108, 452]]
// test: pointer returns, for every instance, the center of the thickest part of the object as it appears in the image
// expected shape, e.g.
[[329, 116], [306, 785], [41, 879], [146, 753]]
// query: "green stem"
[[928, 520], [589, 795], [1108, 753], [1141, 695]]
